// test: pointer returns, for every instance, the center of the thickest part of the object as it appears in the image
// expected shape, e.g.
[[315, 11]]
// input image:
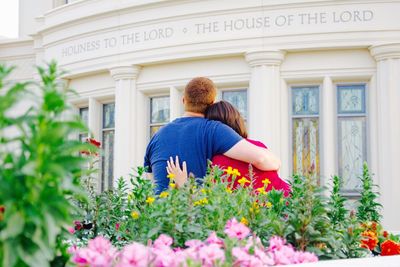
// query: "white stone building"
[[317, 80]]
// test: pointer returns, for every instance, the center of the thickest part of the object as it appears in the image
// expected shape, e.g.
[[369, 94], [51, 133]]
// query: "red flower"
[[93, 142], [117, 226], [371, 240], [78, 225], [389, 247], [2, 210], [385, 234]]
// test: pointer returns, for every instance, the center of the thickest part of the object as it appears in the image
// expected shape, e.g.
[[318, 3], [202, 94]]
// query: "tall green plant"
[[337, 211], [40, 165], [308, 226], [347, 229], [369, 208]]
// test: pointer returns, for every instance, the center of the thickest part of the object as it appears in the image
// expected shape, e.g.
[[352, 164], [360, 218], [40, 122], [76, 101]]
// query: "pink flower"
[[99, 253], [163, 240], [213, 239], [253, 241], [164, 256], [264, 258], [284, 255], [234, 229], [211, 254], [276, 243], [194, 243], [71, 230], [72, 250], [117, 225], [134, 255], [243, 258], [240, 254], [304, 257]]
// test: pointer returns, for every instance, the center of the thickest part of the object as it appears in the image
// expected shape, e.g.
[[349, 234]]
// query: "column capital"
[[264, 57], [385, 51], [125, 72]]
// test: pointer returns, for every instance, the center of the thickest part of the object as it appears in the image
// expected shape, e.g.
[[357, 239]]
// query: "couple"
[[208, 131]]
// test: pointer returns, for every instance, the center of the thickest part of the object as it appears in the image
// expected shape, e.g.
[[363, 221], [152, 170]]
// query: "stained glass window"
[[84, 114], [238, 99], [107, 170], [160, 112], [305, 100], [352, 138], [305, 130]]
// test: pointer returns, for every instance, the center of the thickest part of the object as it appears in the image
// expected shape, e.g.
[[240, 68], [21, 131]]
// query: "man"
[[195, 139]]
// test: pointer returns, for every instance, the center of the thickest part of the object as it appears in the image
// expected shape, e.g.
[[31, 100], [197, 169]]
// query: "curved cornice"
[[385, 51]]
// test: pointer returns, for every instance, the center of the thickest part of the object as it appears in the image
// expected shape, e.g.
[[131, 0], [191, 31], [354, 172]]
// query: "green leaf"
[[14, 227]]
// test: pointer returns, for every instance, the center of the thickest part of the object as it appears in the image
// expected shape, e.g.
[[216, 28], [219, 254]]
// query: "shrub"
[[40, 166]]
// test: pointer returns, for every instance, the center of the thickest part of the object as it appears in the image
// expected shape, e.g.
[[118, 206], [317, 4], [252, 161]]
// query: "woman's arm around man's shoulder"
[[259, 157]]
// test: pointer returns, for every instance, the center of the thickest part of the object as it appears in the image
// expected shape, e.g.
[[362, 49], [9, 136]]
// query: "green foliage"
[[346, 226], [337, 212], [308, 226], [368, 209], [39, 169], [191, 212]]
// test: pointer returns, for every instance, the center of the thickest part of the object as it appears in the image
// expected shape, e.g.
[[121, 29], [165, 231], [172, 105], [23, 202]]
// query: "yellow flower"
[[242, 181], [135, 215], [204, 191], [228, 190], [255, 208], [244, 221], [229, 170], [266, 182], [261, 190], [268, 204], [150, 200], [200, 202], [172, 185], [236, 172], [164, 194], [171, 176]]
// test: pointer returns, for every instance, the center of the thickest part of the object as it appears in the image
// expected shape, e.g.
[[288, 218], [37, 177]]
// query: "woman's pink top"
[[276, 182]]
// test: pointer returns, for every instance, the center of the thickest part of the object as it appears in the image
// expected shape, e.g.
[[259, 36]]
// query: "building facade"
[[318, 81]]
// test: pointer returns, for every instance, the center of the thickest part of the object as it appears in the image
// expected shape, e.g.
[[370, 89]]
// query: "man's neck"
[[192, 114]]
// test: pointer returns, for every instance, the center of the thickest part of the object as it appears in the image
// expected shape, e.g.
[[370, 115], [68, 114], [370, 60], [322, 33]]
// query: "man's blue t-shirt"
[[194, 140]]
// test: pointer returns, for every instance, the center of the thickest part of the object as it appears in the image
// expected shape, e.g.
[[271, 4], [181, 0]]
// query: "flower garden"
[[51, 214]]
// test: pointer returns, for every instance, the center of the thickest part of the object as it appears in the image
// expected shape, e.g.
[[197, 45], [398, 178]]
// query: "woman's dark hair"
[[224, 112]]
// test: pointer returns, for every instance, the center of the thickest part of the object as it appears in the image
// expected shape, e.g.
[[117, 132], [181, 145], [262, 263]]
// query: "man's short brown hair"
[[199, 93]]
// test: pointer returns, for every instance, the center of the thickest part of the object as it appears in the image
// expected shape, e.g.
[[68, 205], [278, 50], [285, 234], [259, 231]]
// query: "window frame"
[[352, 193], [236, 89], [81, 134], [320, 87], [150, 110], [103, 186]]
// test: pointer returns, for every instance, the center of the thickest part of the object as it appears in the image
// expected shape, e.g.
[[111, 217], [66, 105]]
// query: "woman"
[[224, 112]]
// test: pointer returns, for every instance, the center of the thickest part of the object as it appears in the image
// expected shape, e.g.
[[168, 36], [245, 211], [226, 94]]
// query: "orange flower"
[[370, 241], [389, 247]]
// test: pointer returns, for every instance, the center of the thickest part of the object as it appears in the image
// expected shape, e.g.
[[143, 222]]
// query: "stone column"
[[388, 130], [327, 142], [264, 98], [125, 123]]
